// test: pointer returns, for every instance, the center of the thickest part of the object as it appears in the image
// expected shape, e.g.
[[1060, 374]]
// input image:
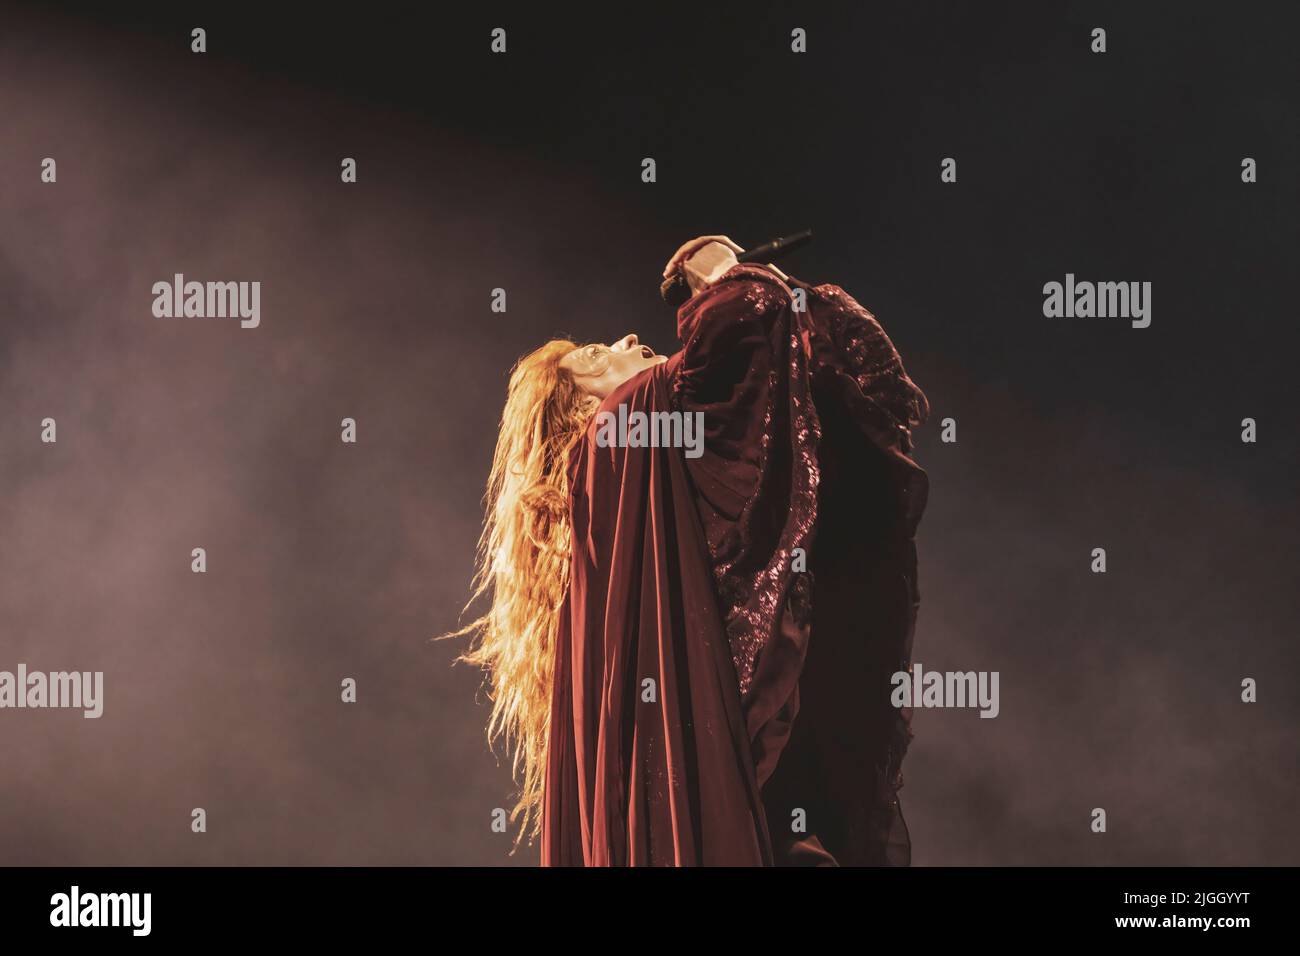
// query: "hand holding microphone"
[[702, 260], [707, 263]]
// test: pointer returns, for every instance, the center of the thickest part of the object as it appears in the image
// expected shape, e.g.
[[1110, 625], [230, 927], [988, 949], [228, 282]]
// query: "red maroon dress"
[[722, 669]]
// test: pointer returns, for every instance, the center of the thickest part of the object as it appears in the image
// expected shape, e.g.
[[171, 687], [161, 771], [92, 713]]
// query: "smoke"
[[328, 560]]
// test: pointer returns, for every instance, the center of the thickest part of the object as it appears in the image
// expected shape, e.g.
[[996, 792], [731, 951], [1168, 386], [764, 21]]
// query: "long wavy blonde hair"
[[523, 563]]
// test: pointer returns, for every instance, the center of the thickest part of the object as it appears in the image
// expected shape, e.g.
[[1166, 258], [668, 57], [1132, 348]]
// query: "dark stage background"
[[522, 171]]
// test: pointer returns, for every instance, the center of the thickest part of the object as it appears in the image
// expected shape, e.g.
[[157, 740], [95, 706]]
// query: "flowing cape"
[[722, 665]]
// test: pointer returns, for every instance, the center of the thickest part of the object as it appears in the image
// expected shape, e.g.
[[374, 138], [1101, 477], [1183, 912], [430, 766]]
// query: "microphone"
[[675, 291], [777, 247]]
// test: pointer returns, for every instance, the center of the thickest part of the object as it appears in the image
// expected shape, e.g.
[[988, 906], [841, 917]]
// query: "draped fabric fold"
[[721, 674]]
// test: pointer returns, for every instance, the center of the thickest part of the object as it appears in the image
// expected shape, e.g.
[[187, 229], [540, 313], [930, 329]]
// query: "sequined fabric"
[[834, 338], [757, 368]]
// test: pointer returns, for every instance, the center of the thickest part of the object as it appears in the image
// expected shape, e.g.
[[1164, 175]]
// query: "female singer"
[[690, 657]]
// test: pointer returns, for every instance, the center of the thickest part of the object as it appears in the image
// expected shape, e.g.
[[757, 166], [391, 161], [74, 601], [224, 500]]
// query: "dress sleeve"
[[729, 332], [735, 331], [774, 367], [849, 344]]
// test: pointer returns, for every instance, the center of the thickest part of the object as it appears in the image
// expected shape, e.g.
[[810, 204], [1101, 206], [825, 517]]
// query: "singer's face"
[[599, 369]]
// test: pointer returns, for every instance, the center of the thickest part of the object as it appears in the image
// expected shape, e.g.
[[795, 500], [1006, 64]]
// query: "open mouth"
[[647, 351]]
